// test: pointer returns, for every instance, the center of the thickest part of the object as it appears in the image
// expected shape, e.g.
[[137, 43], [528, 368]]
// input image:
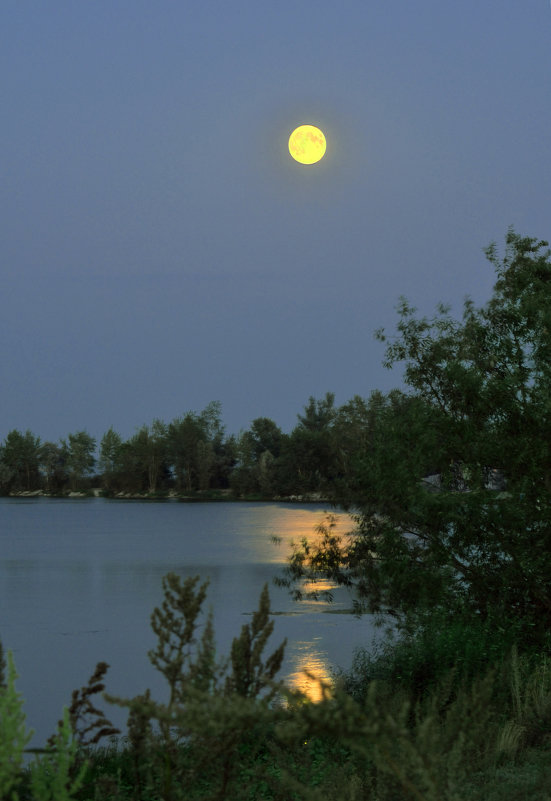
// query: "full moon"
[[307, 144]]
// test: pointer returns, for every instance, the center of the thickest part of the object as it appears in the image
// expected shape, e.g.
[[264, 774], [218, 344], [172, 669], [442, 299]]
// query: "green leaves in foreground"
[[214, 706], [189, 665], [53, 776], [452, 485], [224, 735], [13, 736]]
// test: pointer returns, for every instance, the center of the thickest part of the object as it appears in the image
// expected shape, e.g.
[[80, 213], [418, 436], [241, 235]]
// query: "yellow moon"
[[307, 144]]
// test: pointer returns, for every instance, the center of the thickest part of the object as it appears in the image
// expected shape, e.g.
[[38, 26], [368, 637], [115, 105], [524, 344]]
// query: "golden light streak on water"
[[288, 525], [311, 676]]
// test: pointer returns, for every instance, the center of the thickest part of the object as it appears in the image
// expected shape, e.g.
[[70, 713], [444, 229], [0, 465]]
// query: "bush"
[[418, 661], [400, 726]]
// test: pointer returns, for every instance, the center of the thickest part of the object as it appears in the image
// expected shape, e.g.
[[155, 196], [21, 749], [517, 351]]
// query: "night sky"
[[159, 247]]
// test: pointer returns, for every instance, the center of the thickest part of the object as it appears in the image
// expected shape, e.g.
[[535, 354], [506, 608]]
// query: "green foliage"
[[144, 456], [175, 624], [59, 770], [196, 448], [265, 436], [20, 459], [318, 414], [53, 465], [109, 462], [2, 668], [215, 735], [80, 456], [13, 736], [399, 751], [250, 676], [418, 661], [229, 731], [212, 712], [450, 484], [84, 717], [323, 560], [6, 475], [258, 451], [435, 528], [51, 776], [307, 454], [192, 456], [530, 683]]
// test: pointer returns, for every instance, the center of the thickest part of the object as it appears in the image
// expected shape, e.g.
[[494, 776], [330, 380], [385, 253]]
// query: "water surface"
[[79, 580]]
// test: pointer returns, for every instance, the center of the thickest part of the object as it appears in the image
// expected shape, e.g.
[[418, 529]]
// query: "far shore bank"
[[172, 495]]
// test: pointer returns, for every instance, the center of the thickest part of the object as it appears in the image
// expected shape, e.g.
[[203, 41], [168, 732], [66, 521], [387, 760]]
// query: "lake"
[[79, 580]]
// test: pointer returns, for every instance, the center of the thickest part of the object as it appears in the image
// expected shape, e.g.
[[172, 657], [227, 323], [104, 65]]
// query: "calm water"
[[79, 580]]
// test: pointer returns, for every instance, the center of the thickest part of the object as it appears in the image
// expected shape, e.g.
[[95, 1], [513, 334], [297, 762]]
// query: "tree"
[[80, 460], [20, 457], [150, 449], [244, 479], [220, 709], [211, 420], [110, 458], [225, 459], [351, 435], [133, 469], [265, 435], [305, 464], [266, 473], [6, 476], [204, 459], [183, 435], [257, 450], [475, 538], [53, 460], [196, 447], [211, 452], [318, 414]]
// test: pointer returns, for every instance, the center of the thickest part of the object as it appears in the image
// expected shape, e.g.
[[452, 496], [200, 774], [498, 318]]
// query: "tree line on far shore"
[[193, 454]]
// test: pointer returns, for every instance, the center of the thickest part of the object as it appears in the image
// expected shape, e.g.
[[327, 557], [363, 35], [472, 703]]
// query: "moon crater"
[[307, 144]]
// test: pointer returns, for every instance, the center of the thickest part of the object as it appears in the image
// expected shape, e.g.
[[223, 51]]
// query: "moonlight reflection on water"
[[79, 580]]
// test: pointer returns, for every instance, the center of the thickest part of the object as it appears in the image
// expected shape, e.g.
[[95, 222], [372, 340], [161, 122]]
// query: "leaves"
[[13, 735], [250, 676], [55, 777], [175, 624], [435, 526], [84, 717]]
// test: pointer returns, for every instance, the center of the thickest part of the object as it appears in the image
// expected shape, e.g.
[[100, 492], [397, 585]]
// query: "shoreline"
[[207, 496]]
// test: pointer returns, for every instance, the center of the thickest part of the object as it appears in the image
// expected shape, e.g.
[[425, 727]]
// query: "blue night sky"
[[159, 247]]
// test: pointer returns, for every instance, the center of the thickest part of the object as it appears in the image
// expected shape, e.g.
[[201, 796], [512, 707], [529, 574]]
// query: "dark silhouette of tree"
[[475, 538]]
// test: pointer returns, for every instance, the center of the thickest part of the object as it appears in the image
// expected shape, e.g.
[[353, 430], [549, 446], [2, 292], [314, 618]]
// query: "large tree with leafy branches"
[[19, 460], [452, 488]]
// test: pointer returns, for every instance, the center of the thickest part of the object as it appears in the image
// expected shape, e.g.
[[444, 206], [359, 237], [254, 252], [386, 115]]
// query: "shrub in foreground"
[[230, 731]]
